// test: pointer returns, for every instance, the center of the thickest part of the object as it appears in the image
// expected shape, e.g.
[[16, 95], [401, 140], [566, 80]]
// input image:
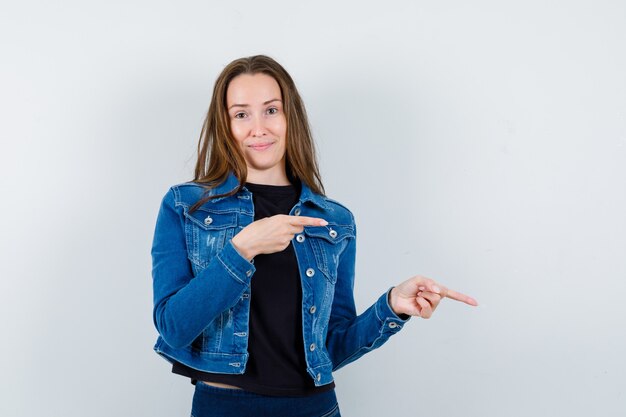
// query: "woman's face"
[[259, 126]]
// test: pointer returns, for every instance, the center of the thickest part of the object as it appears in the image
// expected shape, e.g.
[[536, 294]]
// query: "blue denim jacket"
[[202, 284]]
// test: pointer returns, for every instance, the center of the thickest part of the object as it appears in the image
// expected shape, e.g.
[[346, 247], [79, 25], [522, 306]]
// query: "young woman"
[[253, 266]]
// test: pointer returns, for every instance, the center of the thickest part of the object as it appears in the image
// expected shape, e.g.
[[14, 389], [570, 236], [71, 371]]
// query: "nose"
[[258, 127]]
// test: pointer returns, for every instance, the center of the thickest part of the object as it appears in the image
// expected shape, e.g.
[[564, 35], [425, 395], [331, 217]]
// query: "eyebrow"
[[247, 105]]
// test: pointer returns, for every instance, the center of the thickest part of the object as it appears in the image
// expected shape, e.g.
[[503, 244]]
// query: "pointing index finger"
[[307, 221], [461, 297]]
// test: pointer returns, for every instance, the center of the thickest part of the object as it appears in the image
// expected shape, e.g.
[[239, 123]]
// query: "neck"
[[274, 177]]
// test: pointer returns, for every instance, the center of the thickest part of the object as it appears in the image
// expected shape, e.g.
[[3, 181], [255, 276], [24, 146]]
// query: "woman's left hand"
[[420, 296]]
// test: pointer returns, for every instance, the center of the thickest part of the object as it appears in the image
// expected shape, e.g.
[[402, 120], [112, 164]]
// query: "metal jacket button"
[[332, 233], [300, 238], [393, 325], [312, 347], [297, 211], [310, 272], [208, 220], [312, 310]]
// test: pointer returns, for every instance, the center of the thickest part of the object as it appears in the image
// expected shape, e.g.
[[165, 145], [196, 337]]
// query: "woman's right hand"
[[271, 234]]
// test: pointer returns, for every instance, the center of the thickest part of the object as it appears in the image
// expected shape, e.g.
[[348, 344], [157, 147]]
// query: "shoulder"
[[185, 191], [188, 193]]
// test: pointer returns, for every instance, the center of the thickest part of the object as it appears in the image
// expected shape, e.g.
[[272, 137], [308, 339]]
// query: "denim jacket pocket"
[[206, 233], [327, 243]]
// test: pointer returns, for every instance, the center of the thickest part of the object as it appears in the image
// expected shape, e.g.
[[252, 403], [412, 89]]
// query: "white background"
[[479, 143]]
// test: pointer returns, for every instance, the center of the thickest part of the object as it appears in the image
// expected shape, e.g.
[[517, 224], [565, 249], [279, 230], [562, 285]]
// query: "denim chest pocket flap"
[[328, 243], [206, 233]]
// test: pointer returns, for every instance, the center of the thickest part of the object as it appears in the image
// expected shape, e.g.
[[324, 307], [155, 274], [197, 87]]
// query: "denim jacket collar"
[[306, 195]]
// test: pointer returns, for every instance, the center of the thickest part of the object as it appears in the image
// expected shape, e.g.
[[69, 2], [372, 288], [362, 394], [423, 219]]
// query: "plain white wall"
[[480, 143]]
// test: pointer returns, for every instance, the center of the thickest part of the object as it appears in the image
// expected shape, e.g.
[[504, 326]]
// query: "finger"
[[430, 285], [461, 297], [426, 309], [294, 228], [433, 298], [306, 221]]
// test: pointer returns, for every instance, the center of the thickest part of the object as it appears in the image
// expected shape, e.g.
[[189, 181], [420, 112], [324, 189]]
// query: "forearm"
[[183, 309], [350, 337]]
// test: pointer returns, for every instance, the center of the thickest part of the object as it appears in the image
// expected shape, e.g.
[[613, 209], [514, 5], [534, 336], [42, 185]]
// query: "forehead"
[[252, 89]]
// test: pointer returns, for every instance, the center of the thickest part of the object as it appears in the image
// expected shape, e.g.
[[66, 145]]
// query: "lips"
[[261, 146]]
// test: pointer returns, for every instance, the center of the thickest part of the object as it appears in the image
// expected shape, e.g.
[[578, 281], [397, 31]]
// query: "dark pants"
[[209, 401]]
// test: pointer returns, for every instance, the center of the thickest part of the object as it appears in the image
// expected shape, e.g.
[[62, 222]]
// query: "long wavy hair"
[[218, 153]]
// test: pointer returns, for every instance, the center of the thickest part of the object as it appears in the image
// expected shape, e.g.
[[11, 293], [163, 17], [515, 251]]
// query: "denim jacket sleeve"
[[185, 304], [350, 336]]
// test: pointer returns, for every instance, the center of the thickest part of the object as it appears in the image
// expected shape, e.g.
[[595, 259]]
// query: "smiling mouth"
[[261, 146]]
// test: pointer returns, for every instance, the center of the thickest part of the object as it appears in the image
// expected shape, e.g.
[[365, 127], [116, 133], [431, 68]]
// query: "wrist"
[[392, 300], [243, 250]]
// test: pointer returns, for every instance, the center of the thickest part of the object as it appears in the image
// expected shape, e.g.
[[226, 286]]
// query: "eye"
[[272, 110], [239, 115]]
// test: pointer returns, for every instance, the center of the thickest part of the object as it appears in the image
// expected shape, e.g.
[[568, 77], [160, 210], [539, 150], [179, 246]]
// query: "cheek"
[[238, 131], [280, 126]]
